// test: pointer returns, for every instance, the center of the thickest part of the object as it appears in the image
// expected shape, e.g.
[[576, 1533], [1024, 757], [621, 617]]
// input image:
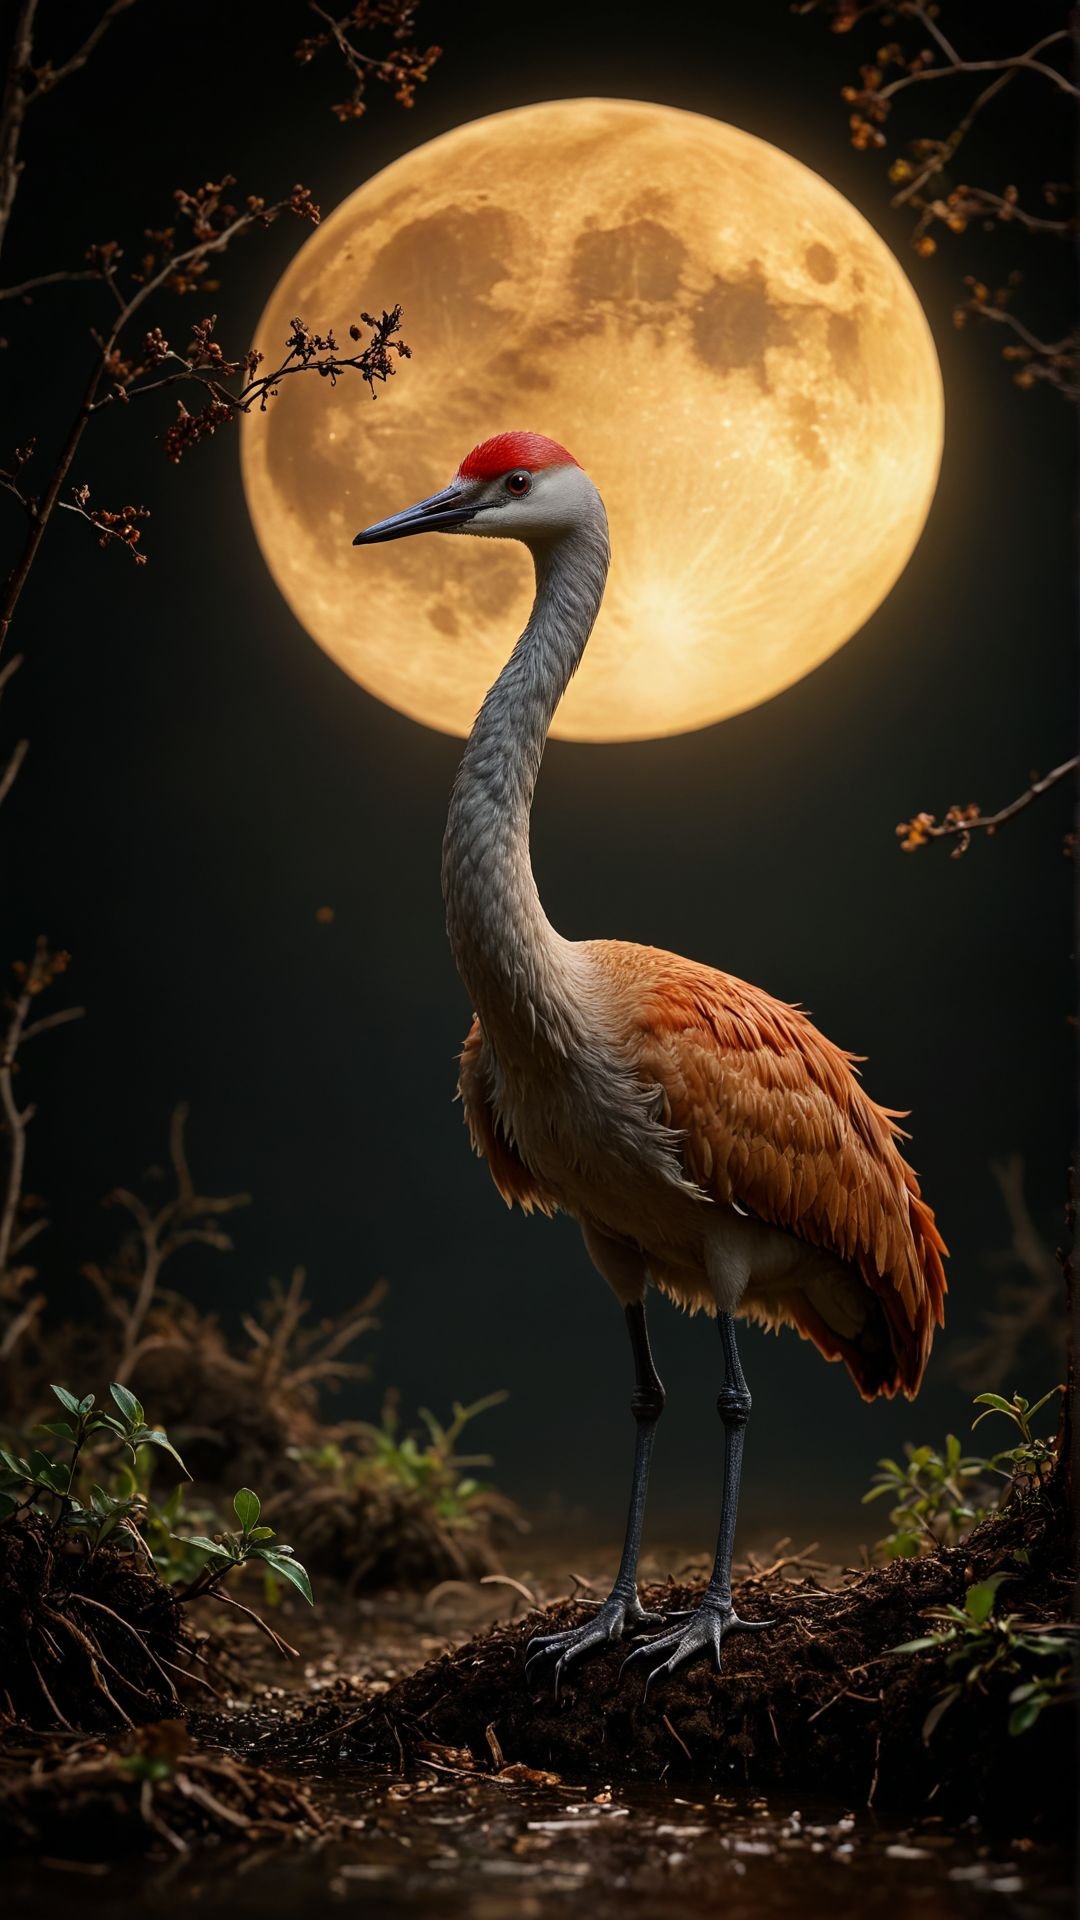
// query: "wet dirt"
[[455, 1834], [508, 1850]]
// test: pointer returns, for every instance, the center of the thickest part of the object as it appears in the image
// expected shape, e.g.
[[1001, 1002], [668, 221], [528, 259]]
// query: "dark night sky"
[[203, 779]]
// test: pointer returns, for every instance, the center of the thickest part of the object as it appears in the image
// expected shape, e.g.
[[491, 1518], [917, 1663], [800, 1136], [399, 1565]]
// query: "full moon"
[[722, 341]]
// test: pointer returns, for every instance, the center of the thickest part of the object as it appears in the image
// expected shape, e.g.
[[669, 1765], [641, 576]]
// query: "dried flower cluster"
[[305, 352], [403, 67], [120, 527], [960, 822]]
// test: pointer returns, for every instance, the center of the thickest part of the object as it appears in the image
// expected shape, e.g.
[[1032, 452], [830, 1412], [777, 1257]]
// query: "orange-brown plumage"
[[773, 1120], [705, 1136]]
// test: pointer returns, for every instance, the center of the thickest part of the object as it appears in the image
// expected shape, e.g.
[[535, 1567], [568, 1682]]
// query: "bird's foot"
[[614, 1618], [705, 1631]]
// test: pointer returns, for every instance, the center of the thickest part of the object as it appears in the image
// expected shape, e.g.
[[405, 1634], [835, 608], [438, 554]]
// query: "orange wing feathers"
[[774, 1119], [509, 1172]]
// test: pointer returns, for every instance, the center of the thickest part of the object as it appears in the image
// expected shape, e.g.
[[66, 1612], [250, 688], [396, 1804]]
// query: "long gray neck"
[[506, 950]]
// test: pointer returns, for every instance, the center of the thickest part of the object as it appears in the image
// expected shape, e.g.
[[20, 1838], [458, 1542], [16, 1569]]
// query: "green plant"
[[939, 1497], [933, 1505], [248, 1542], [435, 1470], [46, 1477], [386, 1456], [982, 1643], [118, 1505], [1034, 1458]]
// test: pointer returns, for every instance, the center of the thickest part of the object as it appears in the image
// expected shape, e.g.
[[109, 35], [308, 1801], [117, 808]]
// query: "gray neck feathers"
[[507, 953]]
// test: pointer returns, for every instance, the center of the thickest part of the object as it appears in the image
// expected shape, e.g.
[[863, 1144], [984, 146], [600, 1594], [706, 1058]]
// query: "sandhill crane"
[[705, 1137]]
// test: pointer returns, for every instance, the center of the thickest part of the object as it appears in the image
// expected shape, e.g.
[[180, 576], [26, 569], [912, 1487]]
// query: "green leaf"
[[924, 1644], [979, 1599], [67, 1400], [55, 1475], [1040, 1404], [61, 1428], [1026, 1714], [7, 1506], [154, 1437], [108, 1420], [940, 1707], [993, 1403], [16, 1464], [128, 1405], [86, 1402], [875, 1493], [261, 1533], [902, 1546], [207, 1546], [288, 1568], [247, 1507]]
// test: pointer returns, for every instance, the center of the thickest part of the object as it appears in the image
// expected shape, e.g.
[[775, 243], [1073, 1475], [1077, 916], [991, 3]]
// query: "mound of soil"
[[380, 1533], [818, 1704], [95, 1803], [86, 1640]]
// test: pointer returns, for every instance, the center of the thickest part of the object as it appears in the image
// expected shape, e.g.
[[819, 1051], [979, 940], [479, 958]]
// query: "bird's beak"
[[442, 513]]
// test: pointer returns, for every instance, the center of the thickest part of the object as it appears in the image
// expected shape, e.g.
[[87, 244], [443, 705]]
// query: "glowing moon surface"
[[728, 348]]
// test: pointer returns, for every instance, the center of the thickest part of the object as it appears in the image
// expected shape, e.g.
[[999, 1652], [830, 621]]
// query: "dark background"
[[203, 779]]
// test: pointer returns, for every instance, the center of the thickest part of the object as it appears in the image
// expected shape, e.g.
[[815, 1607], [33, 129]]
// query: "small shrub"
[[380, 1504], [981, 1646], [939, 1497], [92, 1585]]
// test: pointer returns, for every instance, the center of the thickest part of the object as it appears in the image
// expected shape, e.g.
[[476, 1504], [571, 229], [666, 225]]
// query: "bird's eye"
[[518, 483]]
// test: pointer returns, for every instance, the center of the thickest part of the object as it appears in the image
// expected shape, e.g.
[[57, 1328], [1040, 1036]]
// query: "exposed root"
[[86, 1641]]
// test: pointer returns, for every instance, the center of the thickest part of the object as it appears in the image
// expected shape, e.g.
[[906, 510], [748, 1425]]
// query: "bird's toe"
[[705, 1631]]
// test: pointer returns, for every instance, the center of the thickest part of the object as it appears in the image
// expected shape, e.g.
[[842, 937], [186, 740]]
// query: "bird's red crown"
[[507, 450]]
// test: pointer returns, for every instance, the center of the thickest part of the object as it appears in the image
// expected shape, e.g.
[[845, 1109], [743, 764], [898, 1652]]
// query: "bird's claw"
[[611, 1621], [707, 1628]]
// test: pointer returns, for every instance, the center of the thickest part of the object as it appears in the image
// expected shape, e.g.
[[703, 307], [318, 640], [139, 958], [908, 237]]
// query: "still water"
[[496, 1850]]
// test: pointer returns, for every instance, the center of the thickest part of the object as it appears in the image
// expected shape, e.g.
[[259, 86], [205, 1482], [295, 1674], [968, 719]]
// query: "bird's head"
[[518, 486]]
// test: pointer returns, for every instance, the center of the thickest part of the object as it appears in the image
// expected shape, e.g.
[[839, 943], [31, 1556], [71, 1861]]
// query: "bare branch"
[[216, 225], [33, 978], [921, 177], [1054, 361], [205, 365], [49, 77], [117, 528], [1020, 1311], [65, 277], [404, 68], [13, 110], [10, 773], [24, 86], [961, 822], [186, 1218]]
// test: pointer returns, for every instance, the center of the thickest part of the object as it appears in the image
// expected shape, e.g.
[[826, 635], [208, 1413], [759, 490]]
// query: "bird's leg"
[[714, 1616], [622, 1609]]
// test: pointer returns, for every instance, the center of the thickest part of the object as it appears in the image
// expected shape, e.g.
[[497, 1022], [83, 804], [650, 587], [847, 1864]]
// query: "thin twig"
[[961, 822], [24, 86], [34, 977]]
